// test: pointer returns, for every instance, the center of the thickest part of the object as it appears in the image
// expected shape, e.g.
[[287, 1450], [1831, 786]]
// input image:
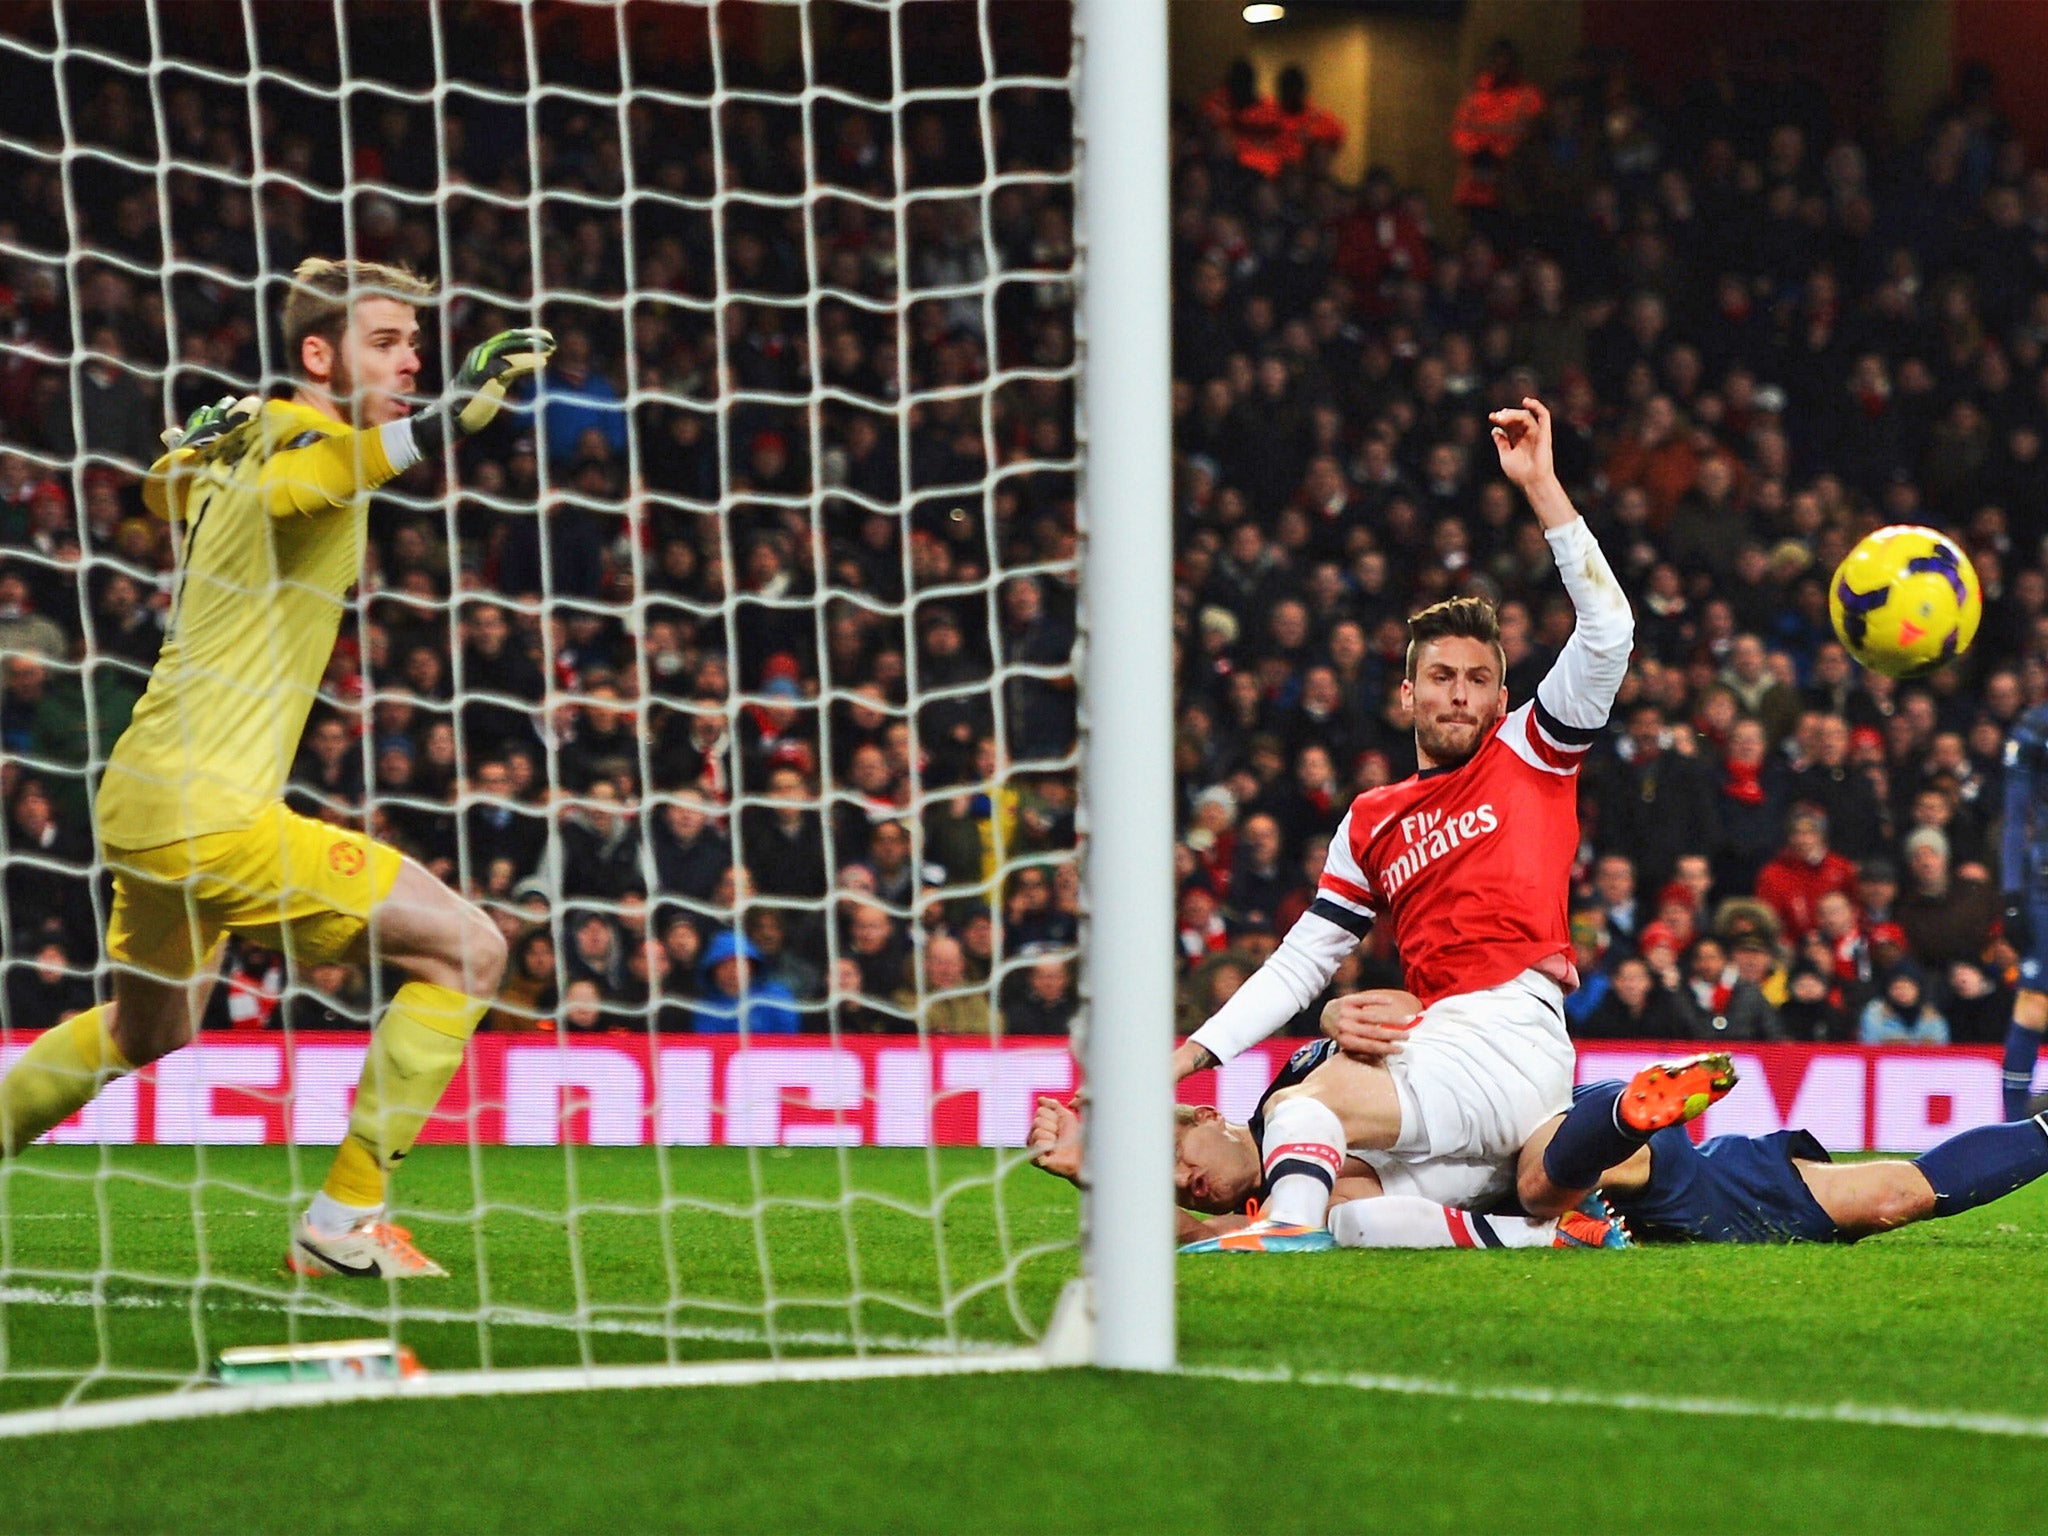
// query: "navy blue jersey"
[[2023, 846], [2023, 851], [1728, 1189]]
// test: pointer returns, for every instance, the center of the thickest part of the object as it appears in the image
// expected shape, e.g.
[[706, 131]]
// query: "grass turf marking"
[[1878, 1415], [211, 1403], [524, 1382]]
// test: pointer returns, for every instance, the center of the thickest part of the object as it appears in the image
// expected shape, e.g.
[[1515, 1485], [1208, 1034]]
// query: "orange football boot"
[[1673, 1092]]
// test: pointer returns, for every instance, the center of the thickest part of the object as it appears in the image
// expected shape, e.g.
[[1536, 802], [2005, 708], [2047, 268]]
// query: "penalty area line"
[[220, 1402], [1874, 1415]]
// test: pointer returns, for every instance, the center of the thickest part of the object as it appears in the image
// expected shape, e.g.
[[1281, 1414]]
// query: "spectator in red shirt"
[[1238, 92], [1490, 124], [1213, 837], [1270, 134], [1252, 123], [1836, 920], [1202, 930], [1657, 453], [1803, 872], [1304, 126], [1379, 244]]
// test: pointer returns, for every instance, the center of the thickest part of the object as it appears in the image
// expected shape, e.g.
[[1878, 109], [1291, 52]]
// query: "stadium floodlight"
[[569, 1181]]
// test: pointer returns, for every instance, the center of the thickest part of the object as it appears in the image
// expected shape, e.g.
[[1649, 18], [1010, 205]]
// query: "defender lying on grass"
[[1622, 1148]]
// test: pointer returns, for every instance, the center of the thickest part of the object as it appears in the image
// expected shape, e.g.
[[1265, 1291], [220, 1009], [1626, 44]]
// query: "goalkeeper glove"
[[206, 426], [2017, 924], [478, 391]]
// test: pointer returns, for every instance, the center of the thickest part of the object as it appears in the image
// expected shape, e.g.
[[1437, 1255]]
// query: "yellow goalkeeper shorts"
[[286, 881]]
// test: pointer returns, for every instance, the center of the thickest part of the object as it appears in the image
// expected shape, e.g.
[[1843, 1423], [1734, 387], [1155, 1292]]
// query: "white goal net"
[[733, 675]]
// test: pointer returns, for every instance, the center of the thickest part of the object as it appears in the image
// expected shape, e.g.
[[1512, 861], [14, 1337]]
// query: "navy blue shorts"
[[1730, 1189]]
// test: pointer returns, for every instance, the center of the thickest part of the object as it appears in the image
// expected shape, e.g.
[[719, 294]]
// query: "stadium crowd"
[[593, 681], [1762, 338], [730, 687]]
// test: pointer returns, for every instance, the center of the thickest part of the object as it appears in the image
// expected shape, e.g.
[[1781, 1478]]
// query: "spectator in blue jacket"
[[580, 399], [1900, 1014], [733, 1001]]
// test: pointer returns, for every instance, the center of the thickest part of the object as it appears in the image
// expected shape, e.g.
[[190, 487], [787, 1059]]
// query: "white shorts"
[[1476, 1076]]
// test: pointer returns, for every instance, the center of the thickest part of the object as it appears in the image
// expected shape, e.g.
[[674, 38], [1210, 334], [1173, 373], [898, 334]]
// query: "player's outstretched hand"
[[491, 369], [1522, 437], [1371, 1025], [1055, 1139], [477, 393]]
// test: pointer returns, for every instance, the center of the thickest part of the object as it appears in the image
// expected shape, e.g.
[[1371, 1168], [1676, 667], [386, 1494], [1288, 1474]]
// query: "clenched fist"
[[1055, 1139]]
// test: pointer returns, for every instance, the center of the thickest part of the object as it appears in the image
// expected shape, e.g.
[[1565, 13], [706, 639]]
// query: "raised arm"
[[320, 472], [317, 471], [1575, 696], [1295, 974]]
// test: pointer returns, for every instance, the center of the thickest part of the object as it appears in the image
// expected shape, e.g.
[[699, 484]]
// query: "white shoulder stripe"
[[1340, 860], [1515, 732]]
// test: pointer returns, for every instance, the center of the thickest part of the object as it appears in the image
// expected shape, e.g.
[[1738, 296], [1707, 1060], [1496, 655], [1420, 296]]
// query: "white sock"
[[328, 1215], [1391, 1221], [1303, 1149], [1514, 1231], [1408, 1221]]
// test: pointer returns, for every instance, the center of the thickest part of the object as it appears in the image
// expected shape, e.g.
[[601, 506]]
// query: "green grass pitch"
[[1945, 1318]]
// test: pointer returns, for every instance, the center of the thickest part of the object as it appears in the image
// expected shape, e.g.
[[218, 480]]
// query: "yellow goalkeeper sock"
[[58, 1076], [414, 1054]]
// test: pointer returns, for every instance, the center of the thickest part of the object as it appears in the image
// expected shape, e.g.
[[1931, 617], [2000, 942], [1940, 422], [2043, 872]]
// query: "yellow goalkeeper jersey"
[[274, 518]]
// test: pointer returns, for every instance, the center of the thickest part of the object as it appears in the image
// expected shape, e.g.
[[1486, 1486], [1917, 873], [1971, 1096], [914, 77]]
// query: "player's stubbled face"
[[1214, 1170], [379, 362], [1456, 696]]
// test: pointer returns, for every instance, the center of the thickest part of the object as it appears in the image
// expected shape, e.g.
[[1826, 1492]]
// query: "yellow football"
[[1906, 601]]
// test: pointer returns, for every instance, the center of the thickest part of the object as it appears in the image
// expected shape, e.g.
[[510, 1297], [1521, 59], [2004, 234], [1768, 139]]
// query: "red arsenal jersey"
[[1472, 864]]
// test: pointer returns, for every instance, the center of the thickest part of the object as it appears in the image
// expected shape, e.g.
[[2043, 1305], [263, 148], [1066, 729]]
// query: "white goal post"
[[1127, 582]]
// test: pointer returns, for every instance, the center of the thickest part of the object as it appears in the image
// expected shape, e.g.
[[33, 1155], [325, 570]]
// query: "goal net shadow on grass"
[[824, 254]]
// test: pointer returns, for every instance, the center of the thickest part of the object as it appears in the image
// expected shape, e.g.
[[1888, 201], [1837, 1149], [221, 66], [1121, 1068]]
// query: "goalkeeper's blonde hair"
[[322, 291]]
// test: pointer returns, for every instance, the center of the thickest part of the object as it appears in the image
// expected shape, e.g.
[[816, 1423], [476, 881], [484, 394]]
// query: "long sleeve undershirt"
[[1577, 693]]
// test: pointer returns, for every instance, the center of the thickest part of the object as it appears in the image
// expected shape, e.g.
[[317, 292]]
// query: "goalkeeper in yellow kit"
[[191, 817]]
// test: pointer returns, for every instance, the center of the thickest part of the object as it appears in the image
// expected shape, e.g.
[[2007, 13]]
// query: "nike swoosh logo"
[[353, 1271]]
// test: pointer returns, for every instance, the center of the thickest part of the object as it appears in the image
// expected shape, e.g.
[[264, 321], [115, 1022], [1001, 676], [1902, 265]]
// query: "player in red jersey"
[[1470, 860]]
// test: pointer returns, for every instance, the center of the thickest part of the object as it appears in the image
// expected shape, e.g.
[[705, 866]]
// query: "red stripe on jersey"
[[1337, 885], [1313, 1151], [1460, 1228], [1556, 756]]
